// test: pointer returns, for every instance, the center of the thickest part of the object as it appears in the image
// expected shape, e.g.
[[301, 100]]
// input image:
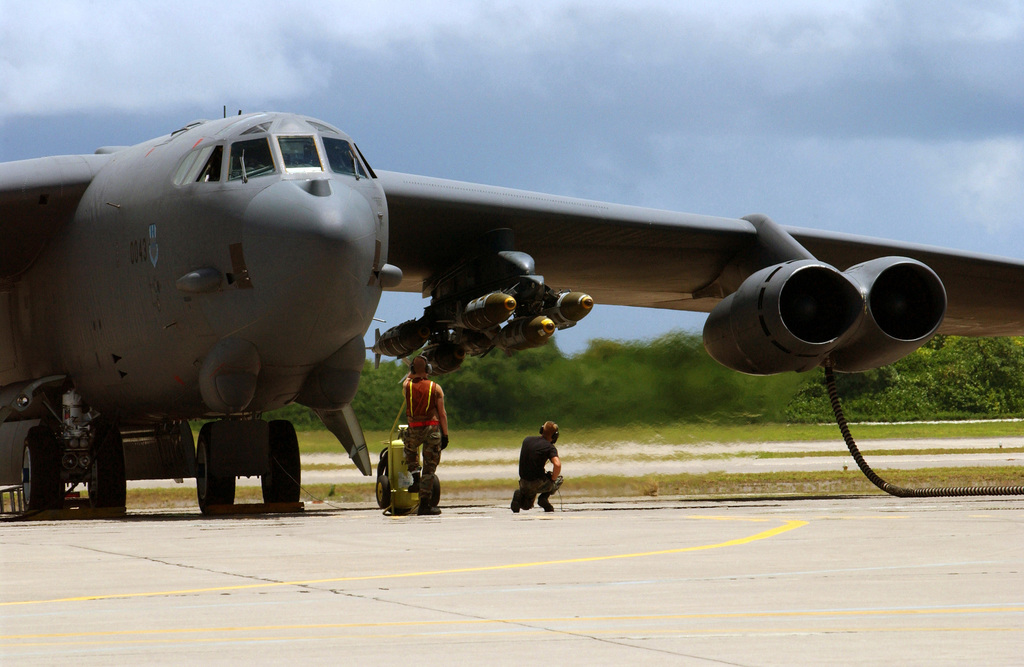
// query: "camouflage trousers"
[[430, 438], [529, 488]]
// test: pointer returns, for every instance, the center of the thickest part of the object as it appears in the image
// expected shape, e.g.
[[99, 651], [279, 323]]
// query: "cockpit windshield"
[[342, 158], [299, 154], [250, 159]]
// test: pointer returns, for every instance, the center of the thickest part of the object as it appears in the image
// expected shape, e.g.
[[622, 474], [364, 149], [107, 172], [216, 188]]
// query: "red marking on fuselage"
[[198, 142], [180, 381]]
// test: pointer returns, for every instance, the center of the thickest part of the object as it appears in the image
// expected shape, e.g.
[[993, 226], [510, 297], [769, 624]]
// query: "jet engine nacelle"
[[786, 317], [905, 304], [793, 316]]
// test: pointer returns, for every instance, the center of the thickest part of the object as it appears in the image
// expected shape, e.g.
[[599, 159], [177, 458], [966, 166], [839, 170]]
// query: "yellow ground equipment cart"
[[394, 480]]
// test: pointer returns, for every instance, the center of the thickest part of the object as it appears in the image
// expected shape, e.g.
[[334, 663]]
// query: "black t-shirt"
[[535, 453]]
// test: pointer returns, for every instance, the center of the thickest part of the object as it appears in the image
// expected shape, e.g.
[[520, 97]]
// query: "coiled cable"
[[899, 491]]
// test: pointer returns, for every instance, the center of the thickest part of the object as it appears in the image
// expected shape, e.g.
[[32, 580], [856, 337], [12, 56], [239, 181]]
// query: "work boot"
[[426, 509], [415, 486], [542, 500], [517, 501]]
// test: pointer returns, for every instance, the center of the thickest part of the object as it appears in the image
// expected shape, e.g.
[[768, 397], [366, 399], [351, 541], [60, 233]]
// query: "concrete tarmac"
[[845, 581]]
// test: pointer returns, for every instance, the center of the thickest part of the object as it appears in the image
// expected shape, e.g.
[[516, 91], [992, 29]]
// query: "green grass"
[[323, 442], [709, 485]]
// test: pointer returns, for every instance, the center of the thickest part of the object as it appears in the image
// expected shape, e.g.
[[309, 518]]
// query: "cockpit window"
[[299, 154], [256, 129], [250, 159], [182, 175], [342, 158], [200, 166], [321, 127]]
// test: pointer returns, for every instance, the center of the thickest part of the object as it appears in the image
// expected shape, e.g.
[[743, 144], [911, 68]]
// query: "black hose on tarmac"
[[899, 491]]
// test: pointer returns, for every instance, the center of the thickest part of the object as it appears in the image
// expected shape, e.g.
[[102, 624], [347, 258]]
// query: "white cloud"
[[986, 180], [67, 56]]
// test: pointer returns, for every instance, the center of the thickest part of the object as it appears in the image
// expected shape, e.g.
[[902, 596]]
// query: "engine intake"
[[906, 303], [786, 317], [796, 315]]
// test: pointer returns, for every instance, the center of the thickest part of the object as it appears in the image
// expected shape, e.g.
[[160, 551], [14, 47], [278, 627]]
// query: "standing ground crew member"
[[533, 479], [428, 425]]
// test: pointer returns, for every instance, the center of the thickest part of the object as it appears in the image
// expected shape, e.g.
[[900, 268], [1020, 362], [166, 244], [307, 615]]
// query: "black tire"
[[382, 465], [210, 489], [41, 483], [284, 482], [108, 487], [435, 492], [383, 491]]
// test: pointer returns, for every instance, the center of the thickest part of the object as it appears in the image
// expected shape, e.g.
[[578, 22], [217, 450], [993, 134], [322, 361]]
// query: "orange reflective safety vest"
[[418, 397]]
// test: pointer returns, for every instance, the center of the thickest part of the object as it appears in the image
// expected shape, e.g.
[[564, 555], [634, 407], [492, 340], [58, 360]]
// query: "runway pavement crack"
[[523, 624], [186, 566]]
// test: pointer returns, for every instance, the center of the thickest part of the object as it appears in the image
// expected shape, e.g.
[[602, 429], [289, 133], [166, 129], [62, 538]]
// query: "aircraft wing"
[[621, 255], [626, 255], [36, 198]]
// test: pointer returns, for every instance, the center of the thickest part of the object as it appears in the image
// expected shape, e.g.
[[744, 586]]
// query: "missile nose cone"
[[576, 305]]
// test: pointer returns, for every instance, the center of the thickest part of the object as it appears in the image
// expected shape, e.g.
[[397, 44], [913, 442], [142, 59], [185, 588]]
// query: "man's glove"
[[444, 440]]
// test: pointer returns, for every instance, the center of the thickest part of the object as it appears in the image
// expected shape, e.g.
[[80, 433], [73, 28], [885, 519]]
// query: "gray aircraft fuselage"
[[158, 266]]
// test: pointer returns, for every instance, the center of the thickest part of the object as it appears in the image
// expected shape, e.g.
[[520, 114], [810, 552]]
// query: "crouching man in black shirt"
[[533, 478]]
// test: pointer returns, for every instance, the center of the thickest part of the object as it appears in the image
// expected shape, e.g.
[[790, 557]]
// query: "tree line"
[[672, 379]]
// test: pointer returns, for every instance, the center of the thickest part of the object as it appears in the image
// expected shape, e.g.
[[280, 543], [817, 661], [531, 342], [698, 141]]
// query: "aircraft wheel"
[[383, 491], [435, 492], [283, 483], [108, 488], [40, 471], [210, 489]]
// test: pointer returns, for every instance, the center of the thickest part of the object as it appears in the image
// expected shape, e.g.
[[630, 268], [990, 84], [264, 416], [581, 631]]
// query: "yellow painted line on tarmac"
[[529, 626], [763, 535]]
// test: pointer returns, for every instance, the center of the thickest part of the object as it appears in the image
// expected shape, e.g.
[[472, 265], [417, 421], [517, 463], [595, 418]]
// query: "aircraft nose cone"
[[305, 226], [319, 209], [310, 249]]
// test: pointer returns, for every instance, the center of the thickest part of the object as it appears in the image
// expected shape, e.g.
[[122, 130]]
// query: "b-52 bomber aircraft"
[[234, 266]]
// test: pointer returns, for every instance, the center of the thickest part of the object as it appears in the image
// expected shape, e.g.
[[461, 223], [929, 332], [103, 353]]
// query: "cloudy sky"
[[896, 119]]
